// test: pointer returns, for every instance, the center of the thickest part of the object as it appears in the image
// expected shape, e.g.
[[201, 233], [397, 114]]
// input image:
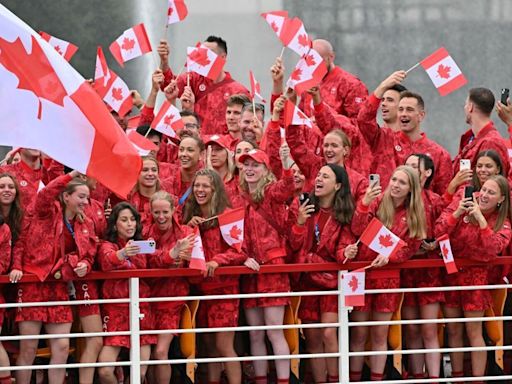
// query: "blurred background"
[[372, 38]]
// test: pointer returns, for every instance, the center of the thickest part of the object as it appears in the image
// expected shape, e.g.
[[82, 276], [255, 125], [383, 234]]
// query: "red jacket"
[[5, 249], [43, 244], [341, 90], [234, 193], [211, 99], [28, 180], [96, 212]]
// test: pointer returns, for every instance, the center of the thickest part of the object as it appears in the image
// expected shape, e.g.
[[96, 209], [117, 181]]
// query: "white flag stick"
[[413, 67]]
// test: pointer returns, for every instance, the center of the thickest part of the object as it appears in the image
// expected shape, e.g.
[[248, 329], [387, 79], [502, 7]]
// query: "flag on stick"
[[197, 261], [132, 43], [65, 48], [353, 288], [176, 11], [446, 252], [168, 120], [205, 62], [231, 224], [380, 239], [443, 71]]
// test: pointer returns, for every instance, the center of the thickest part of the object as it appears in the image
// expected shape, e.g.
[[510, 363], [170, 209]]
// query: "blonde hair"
[[416, 221], [69, 189], [258, 195], [504, 207], [161, 195]]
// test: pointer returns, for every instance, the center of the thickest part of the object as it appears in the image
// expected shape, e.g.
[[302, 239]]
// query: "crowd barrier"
[[291, 324]]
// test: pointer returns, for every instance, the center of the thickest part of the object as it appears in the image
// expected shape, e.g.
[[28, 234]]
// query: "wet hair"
[[238, 99], [15, 218], [220, 42], [398, 88], [70, 188], [483, 99], [218, 202], [412, 95], [492, 154], [111, 232], [143, 130]]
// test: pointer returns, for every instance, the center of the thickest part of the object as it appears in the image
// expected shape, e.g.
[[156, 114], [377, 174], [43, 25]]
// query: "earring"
[[498, 205]]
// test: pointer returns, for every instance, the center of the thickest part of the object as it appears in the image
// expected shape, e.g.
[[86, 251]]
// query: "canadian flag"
[[309, 72], [65, 48], [176, 11], [444, 73], [231, 224], [294, 36], [101, 71], [141, 144], [276, 20], [294, 116], [255, 87], [204, 61], [353, 288], [446, 252], [118, 95], [132, 43], [197, 260], [380, 239], [49, 106], [168, 120]]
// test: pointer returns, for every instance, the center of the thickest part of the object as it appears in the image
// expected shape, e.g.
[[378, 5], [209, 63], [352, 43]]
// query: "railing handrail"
[[275, 268]]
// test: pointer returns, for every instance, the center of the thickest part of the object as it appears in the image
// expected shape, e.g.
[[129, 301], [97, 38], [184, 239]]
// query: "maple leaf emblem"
[[310, 60], [58, 49], [273, 25], [353, 283], [128, 44], [168, 119], [117, 94], [445, 251], [200, 56], [34, 72], [235, 232], [386, 241], [296, 74], [304, 40], [170, 11], [443, 71]]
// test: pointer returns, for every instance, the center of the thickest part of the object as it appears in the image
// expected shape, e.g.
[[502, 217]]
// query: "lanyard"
[[69, 227], [182, 199]]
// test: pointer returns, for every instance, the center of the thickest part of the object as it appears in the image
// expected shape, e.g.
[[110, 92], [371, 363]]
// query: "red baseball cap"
[[257, 155], [222, 141]]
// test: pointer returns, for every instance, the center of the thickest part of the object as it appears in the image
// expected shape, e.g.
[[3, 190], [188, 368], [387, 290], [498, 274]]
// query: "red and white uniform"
[[5, 261], [264, 241], [321, 239], [211, 98], [28, 179], [377, 278], [468, 241], [116, 316], [341, 90], [392, 149], [141, 203]]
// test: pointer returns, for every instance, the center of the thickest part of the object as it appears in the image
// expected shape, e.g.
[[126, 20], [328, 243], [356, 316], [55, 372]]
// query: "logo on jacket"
[[398, 148], [202, 87], [23, 183]]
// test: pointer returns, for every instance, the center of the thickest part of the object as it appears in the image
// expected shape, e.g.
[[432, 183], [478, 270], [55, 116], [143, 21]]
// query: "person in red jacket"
[[60, 242], [265, 231], [208, 200], [401, 210], [118, 252], [393, 148], [173, 247], [207, 97], [479, 229], [322, 234], [5, 261], [243, 147]]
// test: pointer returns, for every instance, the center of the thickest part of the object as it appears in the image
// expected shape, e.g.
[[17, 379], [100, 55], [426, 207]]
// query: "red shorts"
[[381, 302], [474, 300], [266, 283], [312, 307], [87, 290], [116, 318], [37, 292], [168, 315], [421, 278], [219, 313]]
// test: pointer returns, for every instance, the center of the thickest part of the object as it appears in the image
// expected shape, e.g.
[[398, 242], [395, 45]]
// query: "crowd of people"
[[307, 197]]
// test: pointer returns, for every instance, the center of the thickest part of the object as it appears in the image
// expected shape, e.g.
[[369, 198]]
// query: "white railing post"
[[343, 334], [135, 317]]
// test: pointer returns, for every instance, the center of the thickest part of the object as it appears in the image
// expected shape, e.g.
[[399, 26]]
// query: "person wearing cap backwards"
[[205, 96], [265, 229], [61, 243], [322, 234]]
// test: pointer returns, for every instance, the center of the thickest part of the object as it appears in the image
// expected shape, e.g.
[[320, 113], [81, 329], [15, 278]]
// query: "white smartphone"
[[374, 179], [465, 164], [145, 246]]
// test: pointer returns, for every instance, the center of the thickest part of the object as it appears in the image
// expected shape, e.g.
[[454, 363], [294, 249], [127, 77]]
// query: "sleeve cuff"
[[487, 231], [452, 220], [298, 229], [362, 208], [319, 108], [287, 173]]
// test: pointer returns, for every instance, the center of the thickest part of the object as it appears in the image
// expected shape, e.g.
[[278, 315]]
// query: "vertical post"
[[134, 331], [343, 334]]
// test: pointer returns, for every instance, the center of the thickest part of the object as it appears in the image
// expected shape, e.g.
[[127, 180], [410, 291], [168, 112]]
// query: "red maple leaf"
[[57, 48], [445, 251], [128, 44], [168, 119], [296, 74], [443, 71], [386, 240], [200, 56], [274, 26], [310, 60], [235, 232], [117, 94], [170, 11], [353, 283], [304, 40], [34, 72]]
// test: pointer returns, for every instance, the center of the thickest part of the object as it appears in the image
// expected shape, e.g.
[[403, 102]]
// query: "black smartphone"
[[468, 191], [504, 95], [303, 197]]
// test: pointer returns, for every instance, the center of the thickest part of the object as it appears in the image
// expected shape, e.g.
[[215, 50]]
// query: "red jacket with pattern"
[[28, 180], [5, 249], [341, 90], [96, 212], [392, 149], [234, 193], [42, 245], [211, 99]]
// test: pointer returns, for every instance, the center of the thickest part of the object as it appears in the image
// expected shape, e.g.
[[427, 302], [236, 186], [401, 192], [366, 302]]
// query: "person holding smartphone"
[[117, 252], [479, 229]]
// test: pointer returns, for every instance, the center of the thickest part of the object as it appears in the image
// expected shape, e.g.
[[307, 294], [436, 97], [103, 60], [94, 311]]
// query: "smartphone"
[[504, 95], [145, 246], [468, 191], [374, 179], [465, 164], [303, 197]]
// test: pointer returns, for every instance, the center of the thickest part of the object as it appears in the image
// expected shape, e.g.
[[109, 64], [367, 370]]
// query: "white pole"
[[135, 317], [343, 334]]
